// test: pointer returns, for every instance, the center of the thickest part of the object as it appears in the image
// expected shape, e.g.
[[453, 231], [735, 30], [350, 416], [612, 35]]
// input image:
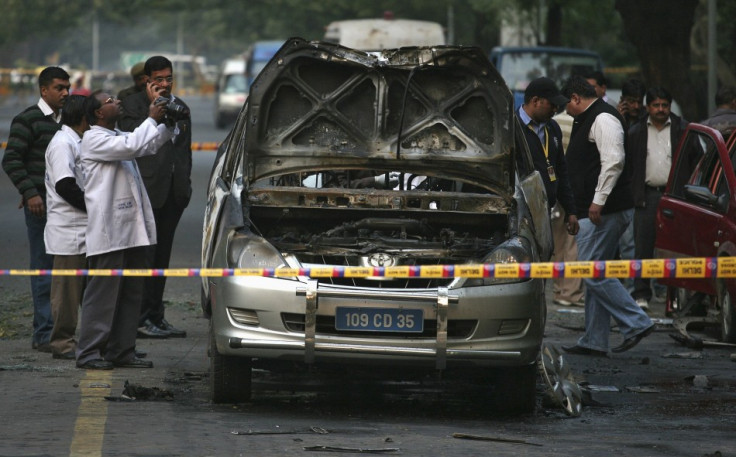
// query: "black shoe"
[[95, 364], [173, 331], [583, 351], [134, 362], [151, 330], [65, 356], [140, 354], [633, 341], [41, 347]]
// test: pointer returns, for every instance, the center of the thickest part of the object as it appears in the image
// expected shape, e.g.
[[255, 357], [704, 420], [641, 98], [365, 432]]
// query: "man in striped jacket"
[[25, 163]]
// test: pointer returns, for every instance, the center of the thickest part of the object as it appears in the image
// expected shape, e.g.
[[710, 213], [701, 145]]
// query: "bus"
[[520, 65]]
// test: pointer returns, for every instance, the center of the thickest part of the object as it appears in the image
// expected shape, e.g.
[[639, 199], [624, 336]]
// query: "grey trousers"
[[110, 308], [66, 296]]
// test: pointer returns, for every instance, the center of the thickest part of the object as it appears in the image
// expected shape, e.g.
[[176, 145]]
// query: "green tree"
[[660, 30]]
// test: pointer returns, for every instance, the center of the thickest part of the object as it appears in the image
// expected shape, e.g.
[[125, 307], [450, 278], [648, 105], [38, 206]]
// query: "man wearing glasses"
[[120, 229], [167, 179]]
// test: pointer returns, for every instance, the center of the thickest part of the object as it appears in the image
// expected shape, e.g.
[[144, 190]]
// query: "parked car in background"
[[231, 90], [403, 158], [386, 33], [520, 65], [697, 218], [235, 77], [257, 56]]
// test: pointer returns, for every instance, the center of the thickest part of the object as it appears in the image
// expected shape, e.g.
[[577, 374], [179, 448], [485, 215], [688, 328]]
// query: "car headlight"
[[249, 251], [515, 250]]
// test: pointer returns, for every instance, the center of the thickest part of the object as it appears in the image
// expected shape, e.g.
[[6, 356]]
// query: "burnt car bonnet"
[[322, 106]]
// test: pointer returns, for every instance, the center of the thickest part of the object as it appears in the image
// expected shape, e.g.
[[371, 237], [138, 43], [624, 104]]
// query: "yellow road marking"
[[89, 429]]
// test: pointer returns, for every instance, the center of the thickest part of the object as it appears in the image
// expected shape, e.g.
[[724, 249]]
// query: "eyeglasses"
[[110, 100], [160, 79]]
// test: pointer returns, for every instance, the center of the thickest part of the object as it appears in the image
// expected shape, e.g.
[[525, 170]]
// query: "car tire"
[[230, 377], [727, 312], [515, 390], [205, 303]]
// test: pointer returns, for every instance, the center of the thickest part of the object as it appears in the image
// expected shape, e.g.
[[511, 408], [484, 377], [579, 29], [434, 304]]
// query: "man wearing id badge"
[[542, 99]]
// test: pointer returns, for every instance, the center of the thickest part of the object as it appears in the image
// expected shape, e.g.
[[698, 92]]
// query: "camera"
[[174, 112]]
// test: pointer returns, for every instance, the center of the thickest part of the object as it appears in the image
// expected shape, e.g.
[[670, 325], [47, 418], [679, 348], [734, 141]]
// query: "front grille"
[[456, 329]]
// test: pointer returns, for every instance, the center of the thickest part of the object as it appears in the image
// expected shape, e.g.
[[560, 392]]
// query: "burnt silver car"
[[341, 158]]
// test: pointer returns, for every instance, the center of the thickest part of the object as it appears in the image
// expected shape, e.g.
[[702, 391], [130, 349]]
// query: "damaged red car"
[[696, 217]]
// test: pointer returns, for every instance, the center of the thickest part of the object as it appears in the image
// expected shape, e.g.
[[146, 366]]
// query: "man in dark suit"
[[166, 176], [652, 142]]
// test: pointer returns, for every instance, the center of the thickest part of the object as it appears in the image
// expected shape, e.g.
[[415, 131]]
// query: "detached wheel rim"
[[561, 386], [726, 309]]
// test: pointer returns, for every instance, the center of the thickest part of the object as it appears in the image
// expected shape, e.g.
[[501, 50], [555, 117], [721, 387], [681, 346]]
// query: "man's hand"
[[572, 224], [594, 213], [153, 91], [157, 110], [35, 206], [623, 108]]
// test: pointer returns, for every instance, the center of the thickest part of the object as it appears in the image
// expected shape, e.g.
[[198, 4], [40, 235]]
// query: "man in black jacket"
[[166, 176], [600, 177], [651, 143], [544, 137]]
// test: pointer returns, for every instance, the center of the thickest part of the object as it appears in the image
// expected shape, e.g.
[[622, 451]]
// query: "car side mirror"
[[703, 196]]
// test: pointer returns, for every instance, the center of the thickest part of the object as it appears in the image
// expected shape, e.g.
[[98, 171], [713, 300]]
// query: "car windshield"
[[235, 84], [519, 68]]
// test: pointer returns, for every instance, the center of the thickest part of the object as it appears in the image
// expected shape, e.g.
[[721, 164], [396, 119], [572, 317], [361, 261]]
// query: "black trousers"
[[167, 218], [645, 232]]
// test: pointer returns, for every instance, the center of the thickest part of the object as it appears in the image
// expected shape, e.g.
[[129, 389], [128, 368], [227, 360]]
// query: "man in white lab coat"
[[120, 228], [66, 225]]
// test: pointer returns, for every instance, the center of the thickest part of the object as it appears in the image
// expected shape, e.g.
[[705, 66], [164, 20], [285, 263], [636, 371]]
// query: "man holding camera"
[[120, 229], [166, 176]]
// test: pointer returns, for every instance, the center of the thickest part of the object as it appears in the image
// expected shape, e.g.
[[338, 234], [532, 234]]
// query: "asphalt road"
[[664, 399]]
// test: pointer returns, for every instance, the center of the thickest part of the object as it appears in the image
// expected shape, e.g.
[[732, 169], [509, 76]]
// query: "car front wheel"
[[727, 312], [230, 377]]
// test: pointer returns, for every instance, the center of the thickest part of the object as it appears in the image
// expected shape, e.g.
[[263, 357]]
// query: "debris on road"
[[465, 436], [133, 392], [699, 380], [683, 355], [597, 388], [318, 430], [352, 449], [643, 389], [694, 342]]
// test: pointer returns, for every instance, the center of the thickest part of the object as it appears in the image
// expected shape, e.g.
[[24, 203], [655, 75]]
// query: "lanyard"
[[545, 146]]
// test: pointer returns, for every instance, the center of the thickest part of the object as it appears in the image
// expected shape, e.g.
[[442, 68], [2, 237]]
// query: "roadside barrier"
[[203, 146], [704, 267]]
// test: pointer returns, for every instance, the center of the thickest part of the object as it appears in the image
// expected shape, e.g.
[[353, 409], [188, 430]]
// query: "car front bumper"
[[508, 322]]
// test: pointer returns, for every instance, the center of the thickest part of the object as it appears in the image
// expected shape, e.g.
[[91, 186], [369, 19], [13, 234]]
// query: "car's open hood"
[[320, 106]]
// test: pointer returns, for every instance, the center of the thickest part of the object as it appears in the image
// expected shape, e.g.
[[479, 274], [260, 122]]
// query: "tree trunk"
[[554, 25], [660, 31]]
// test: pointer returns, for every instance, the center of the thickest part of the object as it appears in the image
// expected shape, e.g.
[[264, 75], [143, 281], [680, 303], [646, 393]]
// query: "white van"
[[378, 34], [231, 91]]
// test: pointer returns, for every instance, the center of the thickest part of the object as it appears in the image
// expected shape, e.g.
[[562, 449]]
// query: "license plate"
[[379, 319]]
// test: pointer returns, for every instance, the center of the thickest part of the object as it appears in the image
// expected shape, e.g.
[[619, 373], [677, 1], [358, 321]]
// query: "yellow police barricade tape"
[[704, 267], [197, 146]]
